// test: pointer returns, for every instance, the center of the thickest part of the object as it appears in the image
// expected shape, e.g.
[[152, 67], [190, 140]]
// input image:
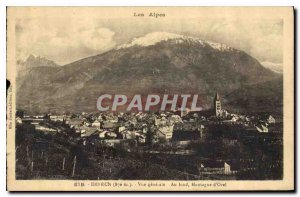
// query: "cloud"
[[68, 39], [63, 40], [263, 39]]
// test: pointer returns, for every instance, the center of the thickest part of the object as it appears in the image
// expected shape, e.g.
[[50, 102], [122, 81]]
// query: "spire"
[[217, 97]]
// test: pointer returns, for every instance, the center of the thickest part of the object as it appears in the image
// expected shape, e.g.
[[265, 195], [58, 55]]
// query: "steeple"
[[217, 97], [217, 105]]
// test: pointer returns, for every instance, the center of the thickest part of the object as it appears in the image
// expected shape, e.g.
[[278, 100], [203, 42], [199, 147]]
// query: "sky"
[[65, 40]]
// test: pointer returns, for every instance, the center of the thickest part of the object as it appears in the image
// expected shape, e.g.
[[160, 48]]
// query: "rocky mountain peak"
[[36, 61]]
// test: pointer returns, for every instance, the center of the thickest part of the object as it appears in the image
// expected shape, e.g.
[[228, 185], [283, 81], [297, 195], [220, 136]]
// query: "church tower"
[[217, 105]]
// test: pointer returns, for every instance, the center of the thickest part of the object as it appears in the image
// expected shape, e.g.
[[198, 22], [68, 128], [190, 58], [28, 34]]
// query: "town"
[[174, 145]]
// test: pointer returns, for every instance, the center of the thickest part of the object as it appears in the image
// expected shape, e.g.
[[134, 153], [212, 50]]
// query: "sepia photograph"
[[150, 98]]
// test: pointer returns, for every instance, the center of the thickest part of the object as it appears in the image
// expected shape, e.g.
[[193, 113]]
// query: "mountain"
[[157, 63], [276, 67], [25, 66], [36, 61], [262, 97]]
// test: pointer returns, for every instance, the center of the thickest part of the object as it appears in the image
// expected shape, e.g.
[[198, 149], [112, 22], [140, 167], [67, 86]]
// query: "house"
[[248, 119], [91, 132], [175, 119], [35, 122], [131, 122], [234, 118], [102, 134], [86, 123], [262, 129], [53, 118], [111, 135], [145, 129], [160, 121], [122, 128], [215, 167], [127, 134], [191, 119], [87, 131], [140, 115], [112, 142], [96, 123], [100, 118], [141, 138], [165, 132], [111, 118], [44, 128], [19, 120], [39, 116], [108, 125], [271, 120], [57, 118], [107, 135], [75, 123], [226, 168]]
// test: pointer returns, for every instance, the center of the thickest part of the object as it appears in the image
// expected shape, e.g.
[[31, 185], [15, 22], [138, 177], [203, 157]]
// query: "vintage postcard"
[[150, 98]]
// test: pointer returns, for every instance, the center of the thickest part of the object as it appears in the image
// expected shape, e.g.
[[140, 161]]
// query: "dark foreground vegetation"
[[41, 155]]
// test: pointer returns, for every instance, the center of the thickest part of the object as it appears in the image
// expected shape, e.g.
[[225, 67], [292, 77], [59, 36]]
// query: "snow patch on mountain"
[[219, 46], [156, 37], [152, 39]]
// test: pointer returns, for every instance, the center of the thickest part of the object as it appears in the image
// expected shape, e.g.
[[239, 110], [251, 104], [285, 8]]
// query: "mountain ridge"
[[165, 67], [156, 37]]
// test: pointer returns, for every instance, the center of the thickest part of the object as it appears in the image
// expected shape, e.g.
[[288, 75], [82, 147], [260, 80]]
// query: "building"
[[215, 167], [115, 142], [108, 125], [217, 105], [271, 120], [160, 121], [227, 168], [121, 128], [96, 123], [107, 135], [127, 134], [165, 132], [34, 121], [175, 119], [262, 129], [141, 138], [57, 118], [19, 120], [86, 131], [75, 123], [87, 123], [44, 128]]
